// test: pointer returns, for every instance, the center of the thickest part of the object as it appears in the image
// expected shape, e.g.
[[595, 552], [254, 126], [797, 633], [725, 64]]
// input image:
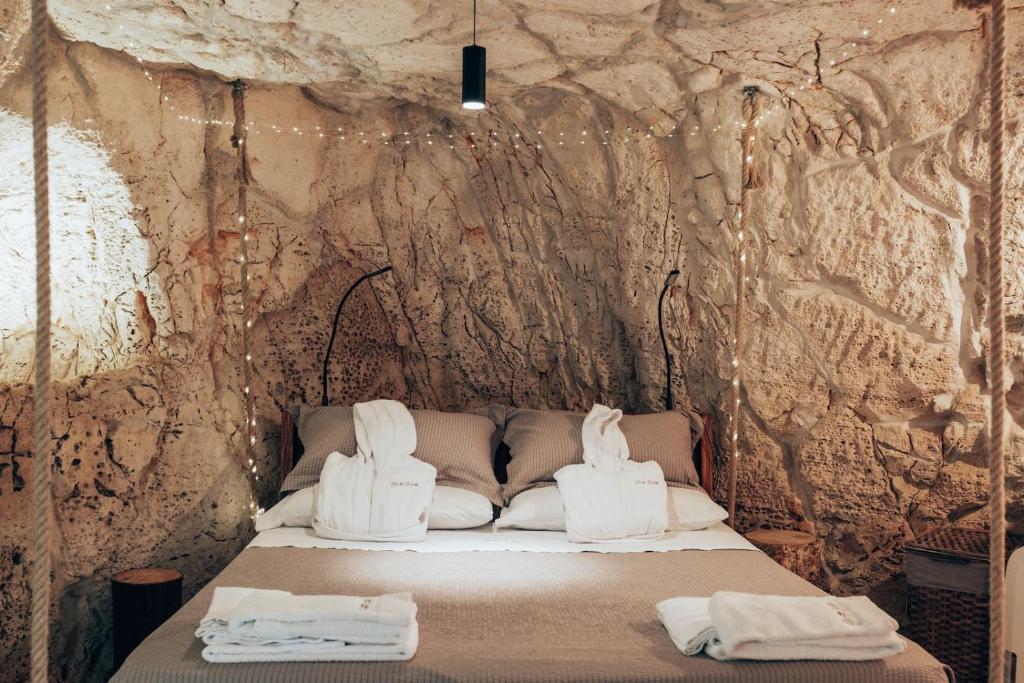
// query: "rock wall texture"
[[527, 264]]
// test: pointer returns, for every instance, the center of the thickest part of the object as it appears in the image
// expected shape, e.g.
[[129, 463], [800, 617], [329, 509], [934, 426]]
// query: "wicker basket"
[[947, 598]]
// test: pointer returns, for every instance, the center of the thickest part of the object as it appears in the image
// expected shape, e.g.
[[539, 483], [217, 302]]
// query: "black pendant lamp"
[[474, 72]]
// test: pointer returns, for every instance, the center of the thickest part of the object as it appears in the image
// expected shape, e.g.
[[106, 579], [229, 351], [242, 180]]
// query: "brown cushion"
[[541, 442], [459, 445]]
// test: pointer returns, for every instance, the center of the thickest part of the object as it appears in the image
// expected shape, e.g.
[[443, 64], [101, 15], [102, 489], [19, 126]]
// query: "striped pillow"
[[541, 442], [459, 445]]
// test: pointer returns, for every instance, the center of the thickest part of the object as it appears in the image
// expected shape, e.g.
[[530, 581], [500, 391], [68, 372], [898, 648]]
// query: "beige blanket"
[[514, 617]]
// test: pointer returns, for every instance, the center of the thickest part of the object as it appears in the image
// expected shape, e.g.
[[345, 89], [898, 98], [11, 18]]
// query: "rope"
[[242, 175], [41, 487], [751, 112], [997, 332]]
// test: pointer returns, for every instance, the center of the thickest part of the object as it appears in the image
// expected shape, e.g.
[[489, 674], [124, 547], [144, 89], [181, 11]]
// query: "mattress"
[[515, 617]]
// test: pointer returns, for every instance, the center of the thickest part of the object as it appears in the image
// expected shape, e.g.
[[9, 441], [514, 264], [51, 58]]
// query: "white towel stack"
[[257, 625], [743, 626]]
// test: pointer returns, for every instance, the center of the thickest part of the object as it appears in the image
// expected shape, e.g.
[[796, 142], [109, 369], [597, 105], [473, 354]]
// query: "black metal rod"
[[334, 327], [669, 403]]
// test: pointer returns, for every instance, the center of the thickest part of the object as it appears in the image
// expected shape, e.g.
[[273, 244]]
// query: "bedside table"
[[797, 551], [143, 599]]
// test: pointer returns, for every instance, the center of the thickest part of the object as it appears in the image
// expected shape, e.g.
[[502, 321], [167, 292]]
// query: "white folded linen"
[[252, 624], [609, 497], [245, 611], [382, 493], [775, 627], [332, 651]]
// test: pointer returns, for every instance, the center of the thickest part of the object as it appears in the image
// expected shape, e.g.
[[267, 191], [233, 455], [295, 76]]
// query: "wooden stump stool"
[[143, 599], [797, 551]]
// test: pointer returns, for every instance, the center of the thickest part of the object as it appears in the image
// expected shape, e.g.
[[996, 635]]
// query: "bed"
[[513, 606]]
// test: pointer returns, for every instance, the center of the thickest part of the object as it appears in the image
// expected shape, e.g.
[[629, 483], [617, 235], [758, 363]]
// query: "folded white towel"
[[609, 497], [274, 615], [743, 626], [333, 651], [382, 493], [252, 624]]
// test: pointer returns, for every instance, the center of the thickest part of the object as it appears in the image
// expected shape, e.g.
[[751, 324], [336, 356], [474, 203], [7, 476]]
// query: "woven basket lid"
[[966, 543]]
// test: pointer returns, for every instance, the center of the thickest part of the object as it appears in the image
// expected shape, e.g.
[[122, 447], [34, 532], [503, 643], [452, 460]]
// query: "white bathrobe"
[[610, 497], [382, 492]]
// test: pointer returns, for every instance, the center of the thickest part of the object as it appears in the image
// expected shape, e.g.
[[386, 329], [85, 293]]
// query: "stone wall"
[[521, 276]]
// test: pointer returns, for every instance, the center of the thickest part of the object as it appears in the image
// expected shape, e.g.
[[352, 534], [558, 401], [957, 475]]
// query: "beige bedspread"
[[514, 617]]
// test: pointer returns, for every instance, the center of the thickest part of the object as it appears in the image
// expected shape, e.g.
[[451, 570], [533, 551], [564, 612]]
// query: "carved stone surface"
[[522, 275]]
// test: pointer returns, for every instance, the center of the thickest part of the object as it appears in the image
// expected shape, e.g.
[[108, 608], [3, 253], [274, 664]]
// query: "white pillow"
[[541, 509], [452, 508], [455, 508], [692, 510]]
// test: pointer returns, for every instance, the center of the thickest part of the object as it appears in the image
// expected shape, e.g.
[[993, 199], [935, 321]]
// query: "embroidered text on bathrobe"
[[610, 497], [382, 492]]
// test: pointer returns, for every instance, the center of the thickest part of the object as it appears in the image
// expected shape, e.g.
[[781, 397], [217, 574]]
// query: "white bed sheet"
[[485, 539]]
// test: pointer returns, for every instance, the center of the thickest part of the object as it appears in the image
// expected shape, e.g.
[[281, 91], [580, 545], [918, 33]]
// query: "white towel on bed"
[[252, 624], [774, 627], [382, 492], [330, 651], [610, 497]]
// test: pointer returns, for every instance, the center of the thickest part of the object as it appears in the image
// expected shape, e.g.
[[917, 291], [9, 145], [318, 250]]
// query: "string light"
[[339, 134], [751, 114], [240, 129]]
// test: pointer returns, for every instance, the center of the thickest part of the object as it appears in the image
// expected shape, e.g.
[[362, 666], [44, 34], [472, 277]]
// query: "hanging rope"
[[41, 487], [997, 333], [997, 336], [242, 176], [748, 181]]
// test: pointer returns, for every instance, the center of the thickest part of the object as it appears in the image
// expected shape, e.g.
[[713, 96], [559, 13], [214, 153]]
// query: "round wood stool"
[[143, 599], [797, 551]]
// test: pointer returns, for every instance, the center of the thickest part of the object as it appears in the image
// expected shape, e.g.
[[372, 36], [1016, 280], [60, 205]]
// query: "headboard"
[[703, 453]]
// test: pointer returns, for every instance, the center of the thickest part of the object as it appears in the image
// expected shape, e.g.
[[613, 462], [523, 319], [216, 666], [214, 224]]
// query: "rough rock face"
[[526, 265]]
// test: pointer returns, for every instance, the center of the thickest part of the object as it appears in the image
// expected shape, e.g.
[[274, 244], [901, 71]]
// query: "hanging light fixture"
[[474, 72]]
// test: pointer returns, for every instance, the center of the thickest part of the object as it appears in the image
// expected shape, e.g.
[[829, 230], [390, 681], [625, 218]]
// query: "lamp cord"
[[669, 402], [334, 327], [474, 22]]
